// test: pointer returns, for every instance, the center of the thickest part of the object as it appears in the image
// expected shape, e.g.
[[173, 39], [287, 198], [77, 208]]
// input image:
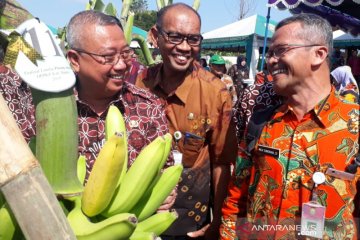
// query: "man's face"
[[178, 57], [104, 80], [292, 64], [218, 69]]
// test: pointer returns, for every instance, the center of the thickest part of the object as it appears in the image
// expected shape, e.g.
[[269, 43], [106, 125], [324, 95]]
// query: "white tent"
[[248, 33]]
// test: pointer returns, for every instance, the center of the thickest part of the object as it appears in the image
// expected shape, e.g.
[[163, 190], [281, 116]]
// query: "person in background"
[[354, 63], [302, 165], [345, 83], [198, 108], [204, 64], [218, 68], [101, 59], [136, 67], [238, 72]]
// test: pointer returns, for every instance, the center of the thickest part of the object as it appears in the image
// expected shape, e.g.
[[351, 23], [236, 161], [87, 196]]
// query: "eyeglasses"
[[109, 59], [280, 50], [177, 38]]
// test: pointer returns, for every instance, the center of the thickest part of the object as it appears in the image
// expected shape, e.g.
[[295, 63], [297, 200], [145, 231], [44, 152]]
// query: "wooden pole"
[[25, 186]]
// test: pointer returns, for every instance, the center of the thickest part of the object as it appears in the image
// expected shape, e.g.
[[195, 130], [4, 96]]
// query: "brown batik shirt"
[[200, 109]]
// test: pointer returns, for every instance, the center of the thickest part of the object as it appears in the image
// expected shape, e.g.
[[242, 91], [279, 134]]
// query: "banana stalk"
[[144, 48], [125, 11], [25, 187], [128, 27], [57, 139], [160, 4]]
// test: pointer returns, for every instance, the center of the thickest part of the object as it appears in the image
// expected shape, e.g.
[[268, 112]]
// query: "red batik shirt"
[[270, 190], [144, 118], [18, 98]]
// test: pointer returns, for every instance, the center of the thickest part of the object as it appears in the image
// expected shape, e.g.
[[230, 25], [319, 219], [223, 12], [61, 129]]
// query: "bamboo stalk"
[[25, 187]]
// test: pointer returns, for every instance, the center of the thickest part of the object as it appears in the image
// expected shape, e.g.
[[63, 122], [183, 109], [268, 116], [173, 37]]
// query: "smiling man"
[[198, 109], [299, 178], [101, 59]]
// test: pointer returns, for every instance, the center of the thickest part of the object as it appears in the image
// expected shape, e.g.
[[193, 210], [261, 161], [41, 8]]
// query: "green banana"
[[2, 199], [143, 236], [81, 168], [163, 187], [117, 227], [104, 176], [157, 223], [138, 178], [168, 143], [114, 122], [8, 224]]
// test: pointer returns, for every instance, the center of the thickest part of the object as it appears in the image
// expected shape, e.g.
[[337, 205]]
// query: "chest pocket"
[[191, 146]]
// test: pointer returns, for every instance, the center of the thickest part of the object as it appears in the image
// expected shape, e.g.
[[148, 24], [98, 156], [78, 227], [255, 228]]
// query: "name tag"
[[269, 151]]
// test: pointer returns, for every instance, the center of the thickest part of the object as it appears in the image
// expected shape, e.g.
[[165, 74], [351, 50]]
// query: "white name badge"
[[177, 157], [312, 220]]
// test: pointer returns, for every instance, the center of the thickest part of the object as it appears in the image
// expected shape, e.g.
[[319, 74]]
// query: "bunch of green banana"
[[104, 176], [138, 178], [117, 227], [9, 228], [156, 195]]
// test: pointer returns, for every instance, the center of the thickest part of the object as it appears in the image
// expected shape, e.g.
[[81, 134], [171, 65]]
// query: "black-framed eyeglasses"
[[109, 59], [177, 38], [280, 50]]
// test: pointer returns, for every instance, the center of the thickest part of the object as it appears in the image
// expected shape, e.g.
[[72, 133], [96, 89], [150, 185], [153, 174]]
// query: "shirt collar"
[[182, 92], [321, 110]]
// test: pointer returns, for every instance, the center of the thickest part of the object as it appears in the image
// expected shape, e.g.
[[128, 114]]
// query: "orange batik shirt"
[[267, 190]]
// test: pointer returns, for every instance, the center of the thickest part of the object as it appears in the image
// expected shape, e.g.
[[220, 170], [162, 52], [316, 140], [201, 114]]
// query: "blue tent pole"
[[265, 40]]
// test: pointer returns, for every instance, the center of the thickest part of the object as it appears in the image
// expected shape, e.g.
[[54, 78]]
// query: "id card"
[[178, 156], [312, 219]]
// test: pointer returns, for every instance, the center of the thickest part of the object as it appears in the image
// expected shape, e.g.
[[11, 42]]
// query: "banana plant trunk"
[[25, 186]]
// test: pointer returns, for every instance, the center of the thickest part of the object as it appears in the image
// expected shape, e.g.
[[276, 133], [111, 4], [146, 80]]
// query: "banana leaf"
[[110, 10]]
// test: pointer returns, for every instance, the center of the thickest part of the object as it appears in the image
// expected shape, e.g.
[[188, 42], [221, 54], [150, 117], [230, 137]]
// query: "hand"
[[169, 202], [198, 233]]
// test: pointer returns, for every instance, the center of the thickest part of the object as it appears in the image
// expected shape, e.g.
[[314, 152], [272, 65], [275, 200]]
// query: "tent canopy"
[[343, 39], [237, 34], [343, 14]]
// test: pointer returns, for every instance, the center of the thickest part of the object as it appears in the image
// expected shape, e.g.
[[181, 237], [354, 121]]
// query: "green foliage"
[[145, 20], [139, 6]]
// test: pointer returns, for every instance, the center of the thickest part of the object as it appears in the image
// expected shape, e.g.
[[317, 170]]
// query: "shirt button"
[[133, 124]]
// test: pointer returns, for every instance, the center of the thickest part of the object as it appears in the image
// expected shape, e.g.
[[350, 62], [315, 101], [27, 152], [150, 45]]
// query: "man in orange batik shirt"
[[299, 179]]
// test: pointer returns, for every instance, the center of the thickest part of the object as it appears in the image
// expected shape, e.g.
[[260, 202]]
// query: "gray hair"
[[161, 13], [316, 30], [75, 28]]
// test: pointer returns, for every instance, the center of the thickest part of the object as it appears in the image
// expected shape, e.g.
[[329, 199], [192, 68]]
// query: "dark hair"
[[161, 13], [316, 30], [239, 59], [80, 20]]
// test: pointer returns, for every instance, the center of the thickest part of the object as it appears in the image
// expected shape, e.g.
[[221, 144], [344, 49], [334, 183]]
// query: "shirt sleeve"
[[223, 147], [234, 206]]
